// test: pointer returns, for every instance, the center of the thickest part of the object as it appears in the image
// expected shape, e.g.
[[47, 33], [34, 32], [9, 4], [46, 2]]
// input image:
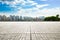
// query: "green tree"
[[52, 18]]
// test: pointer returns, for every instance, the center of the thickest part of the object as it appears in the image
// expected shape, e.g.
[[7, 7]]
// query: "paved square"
[[29, 30]]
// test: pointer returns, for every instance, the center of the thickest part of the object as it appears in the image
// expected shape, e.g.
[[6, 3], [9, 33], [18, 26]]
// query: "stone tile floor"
[[29, 30], [32, 36]]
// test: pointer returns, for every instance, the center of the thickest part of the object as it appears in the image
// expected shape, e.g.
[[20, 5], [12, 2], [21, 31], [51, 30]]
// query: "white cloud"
[[34, 12], [44, 0], [48, 12], [38, 12], [40, 6], [23, 2]]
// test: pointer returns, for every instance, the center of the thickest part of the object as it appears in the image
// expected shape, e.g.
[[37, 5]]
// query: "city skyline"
[[20, 18], [30, 8]]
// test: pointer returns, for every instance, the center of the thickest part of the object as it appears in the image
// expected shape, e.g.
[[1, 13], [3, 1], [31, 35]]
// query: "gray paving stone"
[[30, 31]]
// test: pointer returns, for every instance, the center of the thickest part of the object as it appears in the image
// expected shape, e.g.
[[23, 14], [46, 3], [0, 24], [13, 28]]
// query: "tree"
[[57, 15], [52, 18]]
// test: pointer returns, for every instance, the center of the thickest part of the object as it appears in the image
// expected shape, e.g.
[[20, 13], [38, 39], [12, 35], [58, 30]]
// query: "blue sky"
[[30, 7]]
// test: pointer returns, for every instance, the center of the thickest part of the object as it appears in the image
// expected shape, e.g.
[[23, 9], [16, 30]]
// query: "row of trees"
[[52, 18]]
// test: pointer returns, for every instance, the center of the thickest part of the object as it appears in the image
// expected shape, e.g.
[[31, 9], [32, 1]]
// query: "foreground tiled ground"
[[34, 36], [29, 30]]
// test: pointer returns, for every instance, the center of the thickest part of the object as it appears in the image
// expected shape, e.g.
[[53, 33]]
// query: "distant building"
[[42, 18], [16, 18], [28, 18], [0, 17]]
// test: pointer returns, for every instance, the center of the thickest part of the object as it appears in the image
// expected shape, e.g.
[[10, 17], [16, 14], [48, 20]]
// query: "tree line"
[[52, 18]]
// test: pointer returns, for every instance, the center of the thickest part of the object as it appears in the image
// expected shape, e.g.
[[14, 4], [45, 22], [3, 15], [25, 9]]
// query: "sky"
[[32, 8]]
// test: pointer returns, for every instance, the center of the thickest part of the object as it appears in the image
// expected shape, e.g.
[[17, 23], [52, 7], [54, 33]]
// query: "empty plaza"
[[29, 30]]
